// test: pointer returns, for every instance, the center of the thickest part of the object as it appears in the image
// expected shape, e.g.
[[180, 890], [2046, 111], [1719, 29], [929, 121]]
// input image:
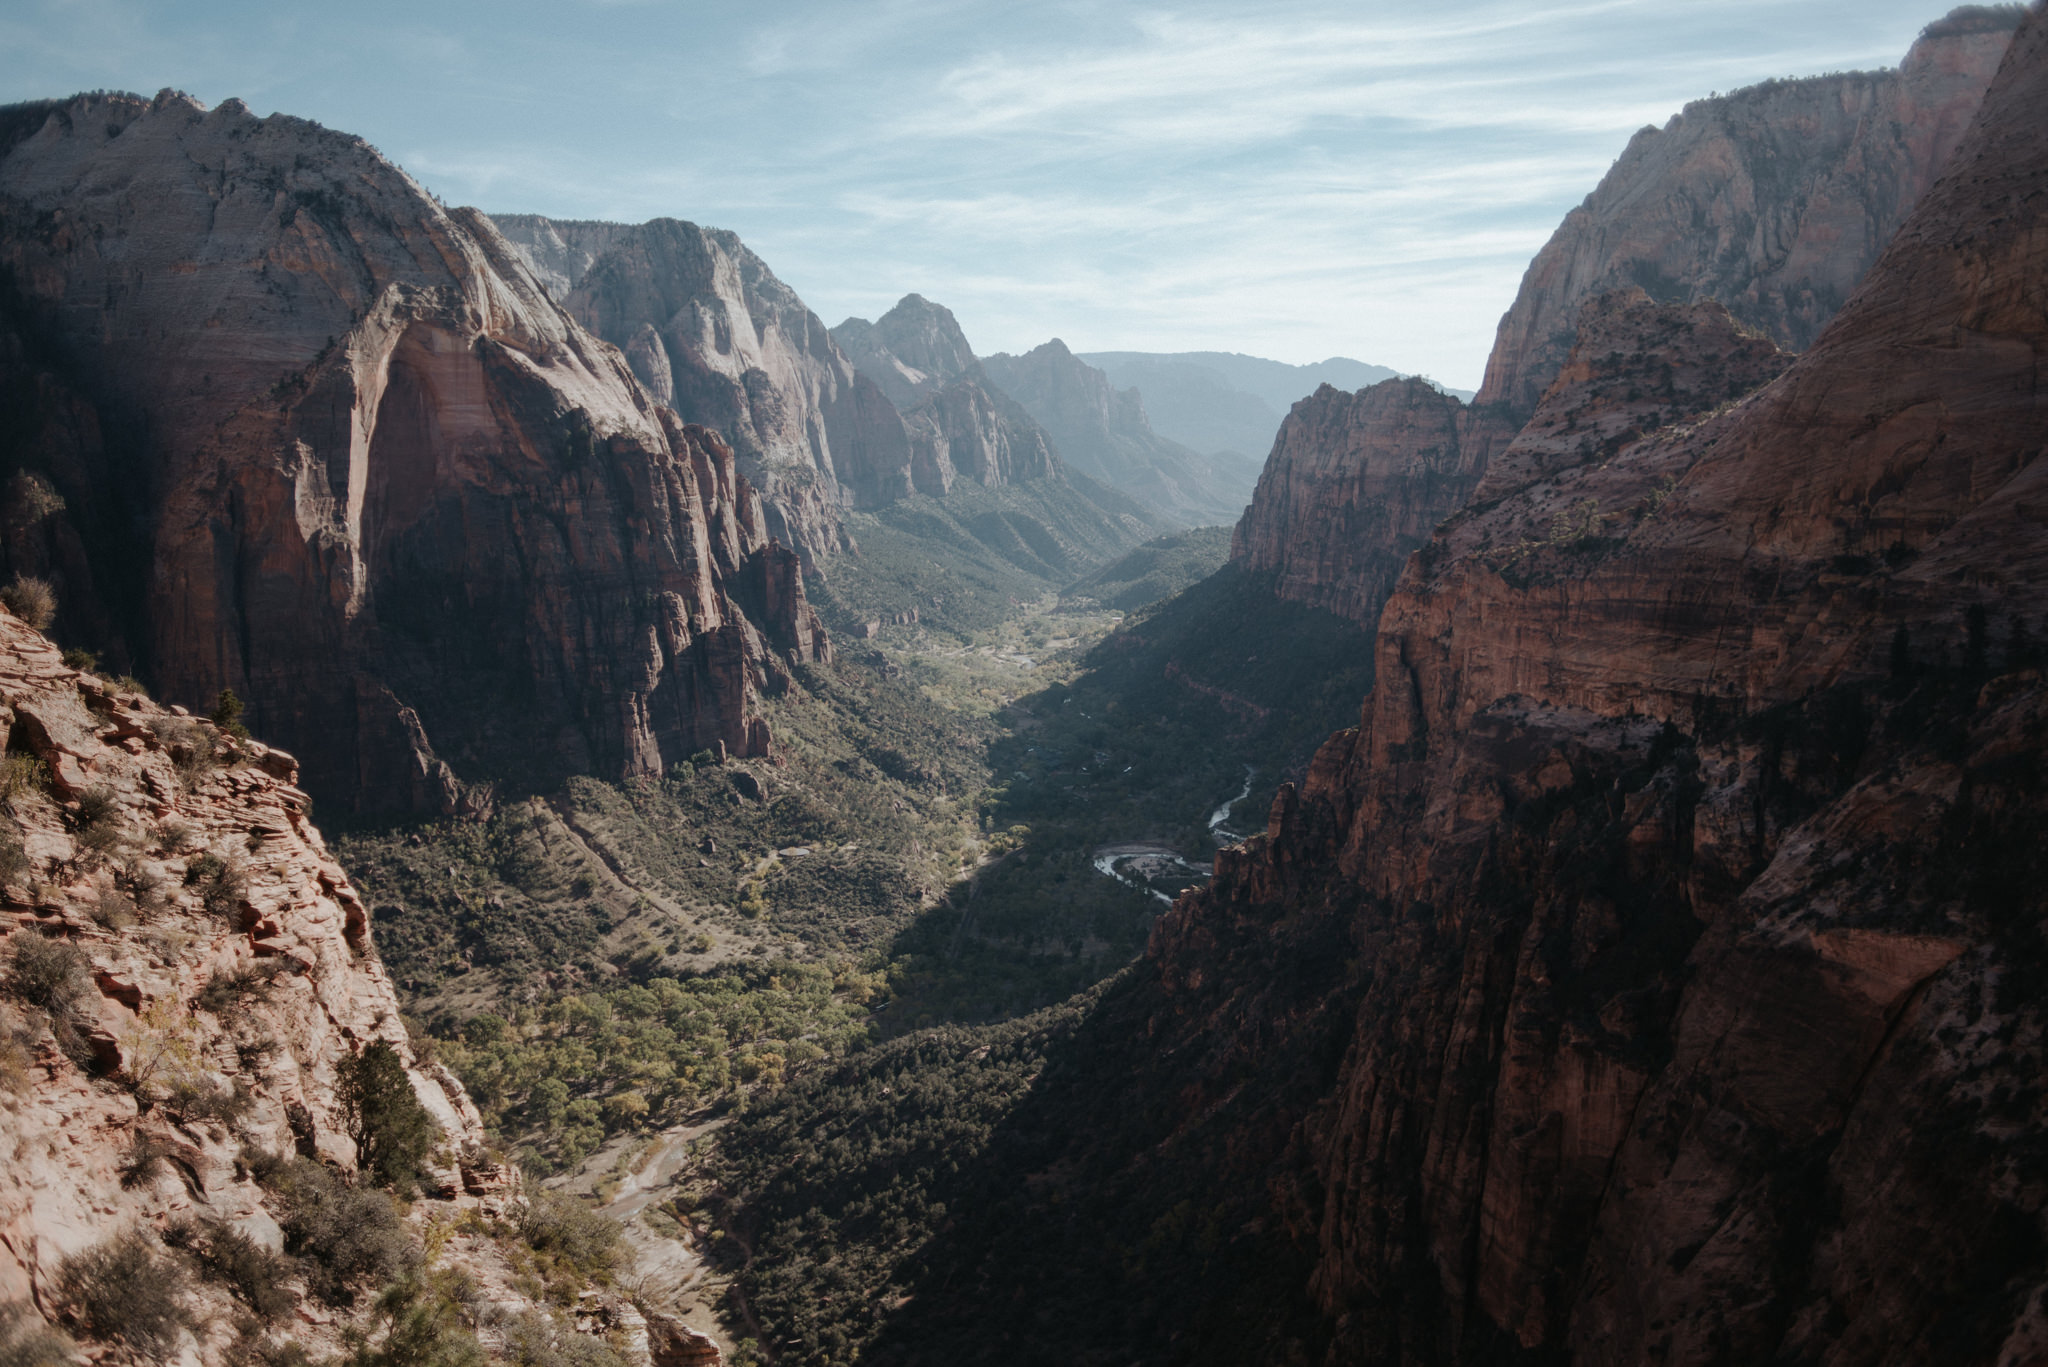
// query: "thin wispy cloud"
[[1297, 178]]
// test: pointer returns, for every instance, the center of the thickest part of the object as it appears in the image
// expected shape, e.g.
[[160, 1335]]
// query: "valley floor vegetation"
[[900, 910]]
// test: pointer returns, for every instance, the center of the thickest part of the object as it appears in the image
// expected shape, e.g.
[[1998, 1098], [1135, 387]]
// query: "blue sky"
[[1282, 177]]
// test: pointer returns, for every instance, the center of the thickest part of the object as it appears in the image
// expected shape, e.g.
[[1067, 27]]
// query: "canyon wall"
[[958, 422], [1655, 974], [183, 970], [331, 445], [1685, 866], [1771, 201]]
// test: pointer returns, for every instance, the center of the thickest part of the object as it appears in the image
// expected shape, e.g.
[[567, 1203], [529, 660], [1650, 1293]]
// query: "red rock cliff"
[[1685, 870], [1772, 202], [348, 458]]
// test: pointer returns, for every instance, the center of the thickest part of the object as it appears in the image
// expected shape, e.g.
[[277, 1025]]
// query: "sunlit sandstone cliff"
[[1771, 201], [329, 444], [206, 1012], [1686, 866]]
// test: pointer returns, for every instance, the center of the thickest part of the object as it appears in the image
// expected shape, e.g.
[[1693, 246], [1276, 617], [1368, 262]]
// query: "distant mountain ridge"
[[1104, 431], [1226, 400]]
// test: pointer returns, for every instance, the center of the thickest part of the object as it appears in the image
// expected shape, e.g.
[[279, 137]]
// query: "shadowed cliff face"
[[1655, 975], [711, 332], [1686, 862], [351, 461]]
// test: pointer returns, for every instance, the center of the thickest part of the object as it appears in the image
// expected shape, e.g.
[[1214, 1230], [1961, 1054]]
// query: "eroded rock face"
[[1773, 200], [210, 1012], [707, 325], [1685, 867], [352, 462], [959, 424], [1355, 483], [911, 351]]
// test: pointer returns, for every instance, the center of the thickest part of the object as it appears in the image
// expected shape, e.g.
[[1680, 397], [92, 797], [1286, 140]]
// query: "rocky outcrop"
[[711, 332], [959, 424], [1355, 483], [347, 458], [214, 967], [1102, 432], [1685, 866], [1770, 202], [1773, 200], [911, 351]]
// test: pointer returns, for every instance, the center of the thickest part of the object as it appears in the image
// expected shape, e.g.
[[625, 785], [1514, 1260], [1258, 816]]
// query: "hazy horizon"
[[1288, 181]]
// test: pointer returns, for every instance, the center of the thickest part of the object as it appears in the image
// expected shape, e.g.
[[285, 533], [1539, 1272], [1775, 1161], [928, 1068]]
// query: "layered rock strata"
[[712, 332], [1354, 484], [1773, 200], [219, 970], [349, 459], [1685, 867], [959, 424]]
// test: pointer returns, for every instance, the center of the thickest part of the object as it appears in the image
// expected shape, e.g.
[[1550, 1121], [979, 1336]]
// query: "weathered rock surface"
[[711, 331], [1685, 868], [1102, 432], [959, 424], [911, 351], [166, 793], [347, 458], [1355, 483], [1773, 200]]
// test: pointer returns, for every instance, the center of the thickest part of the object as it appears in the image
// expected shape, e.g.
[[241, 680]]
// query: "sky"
[[1287, 178]]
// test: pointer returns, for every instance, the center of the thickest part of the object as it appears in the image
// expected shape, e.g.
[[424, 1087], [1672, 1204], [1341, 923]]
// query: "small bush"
[[33, 600], [425, 1328], [77, 657], [535, 1339], [175, 834], [585, 1244], [227, 714], [146, 1155], [392, 1130], [13, 857], [25, 1341], [194, 1097], [254, 1273], [191, 748], [99, 820], [113, 909], [31, 498], [126, 1291], [23, 775], [221, 884], [346, 1236], [49, 973], [251, 981]]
